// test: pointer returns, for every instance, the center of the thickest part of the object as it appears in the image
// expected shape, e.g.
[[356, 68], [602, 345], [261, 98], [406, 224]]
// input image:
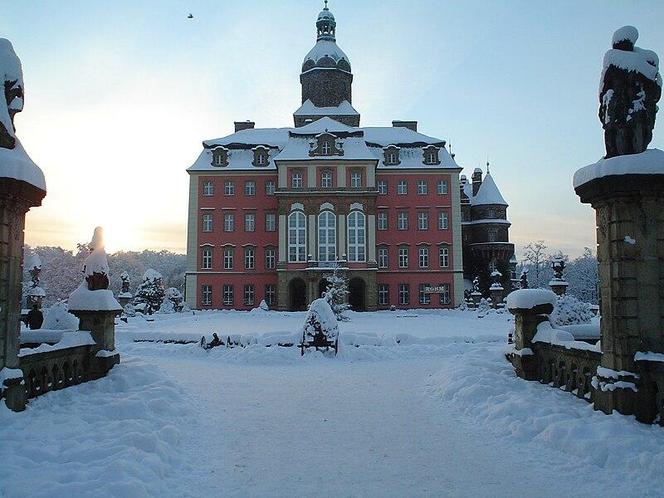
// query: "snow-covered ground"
[[438, 413]]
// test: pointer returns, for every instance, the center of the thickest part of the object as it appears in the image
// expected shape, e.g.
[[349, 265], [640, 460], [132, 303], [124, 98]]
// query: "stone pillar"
[[497, 293], [630, 249], [101, 325], [16, 197], [559, 287]]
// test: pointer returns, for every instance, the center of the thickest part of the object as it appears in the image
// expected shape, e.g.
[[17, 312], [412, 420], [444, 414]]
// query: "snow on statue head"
[[12, 79], [630, 88], [96, 264]]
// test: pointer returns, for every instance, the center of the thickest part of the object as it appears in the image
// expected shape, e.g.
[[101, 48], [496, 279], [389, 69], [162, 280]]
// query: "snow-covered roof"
[[649, 162], [322, 125], [326, 48], [298, 149], [16, 164], [488, 193], [309, 109]]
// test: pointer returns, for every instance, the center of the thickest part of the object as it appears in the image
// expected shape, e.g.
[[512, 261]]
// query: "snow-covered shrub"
[[129, 310], [320, 325], [336, 294], [58, 318], [150, 293], [263, 305], [483, 307], [569, 311], [175, 297]]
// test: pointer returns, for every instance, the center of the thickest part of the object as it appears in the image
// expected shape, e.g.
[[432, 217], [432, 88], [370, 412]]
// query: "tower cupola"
[[326, 25]]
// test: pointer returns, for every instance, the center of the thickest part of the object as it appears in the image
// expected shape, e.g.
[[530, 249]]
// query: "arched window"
[[327, 236], [297, 234], [356, 236]]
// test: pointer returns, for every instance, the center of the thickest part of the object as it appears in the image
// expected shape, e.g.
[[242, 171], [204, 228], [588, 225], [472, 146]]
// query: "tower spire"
[[487, 165]]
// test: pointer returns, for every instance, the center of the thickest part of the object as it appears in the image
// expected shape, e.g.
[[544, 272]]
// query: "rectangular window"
[[382, 220], [208, 189], [445, 294], [270, 222], [206, 295], [382, 187], [383, 257], [444, 256], [402, 187], [207, 222], [355, 179], [270, 294], [229, 222], [250, 188], [403, 257], [270, 187], [404, 294], [424, 297], [422, 188], [422, 220], [228, 258], [229, 188], [206, 260], [296, 179], [249, 294], [228, 295], [402, 220], [423, 257], [441, 187], [326, 179], [443, 220], [383, 294], [249, 258], [250, 222], [270, 258]]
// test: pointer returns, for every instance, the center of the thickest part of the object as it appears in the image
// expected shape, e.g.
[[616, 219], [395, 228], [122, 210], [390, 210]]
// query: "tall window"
[[383, 294], [404, 294], [297, 232], [206, 295], [443, 220], [423, 257], [441, 187], [425, 298], [270, 258], [250, 222], [206, 260], [249, 258], [270, 187], [382, 220], [229, 188], [270, 222], [249, 294], [229, 222], [444, 257], [383, 261], [382, 187], [207, 222], [296, 179], [327, 236], [422, 220], [356, 236], [445, 294], [403, 257], [431, 157], [402, 220], [228, 295], [250, 188], [228, 258], [402, 187], [355, 179], [422, 188], [326, 179], [261, 159], [208, 189], [270, 294]]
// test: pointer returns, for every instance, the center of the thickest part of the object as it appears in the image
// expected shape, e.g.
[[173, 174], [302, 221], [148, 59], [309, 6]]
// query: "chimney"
[[244, 125], [477, 180], [411, 125]]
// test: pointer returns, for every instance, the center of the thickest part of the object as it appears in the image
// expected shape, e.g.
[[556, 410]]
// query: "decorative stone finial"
[[12, 79]]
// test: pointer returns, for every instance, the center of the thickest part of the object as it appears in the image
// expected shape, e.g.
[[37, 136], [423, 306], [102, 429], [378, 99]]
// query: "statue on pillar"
[[523, 279], [630, 88], [36, 294], [12, 73]]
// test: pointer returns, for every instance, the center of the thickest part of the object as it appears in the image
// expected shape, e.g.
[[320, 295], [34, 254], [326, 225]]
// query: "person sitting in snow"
[[35, 318]]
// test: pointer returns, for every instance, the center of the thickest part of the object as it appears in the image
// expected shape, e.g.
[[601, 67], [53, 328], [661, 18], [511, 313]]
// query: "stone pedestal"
[[630, 249], [476, 297], [497, 294], [16, 197], [559, 287], [101, 325]]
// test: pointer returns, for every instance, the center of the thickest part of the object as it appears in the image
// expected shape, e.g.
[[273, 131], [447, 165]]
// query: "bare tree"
[[534, 255]]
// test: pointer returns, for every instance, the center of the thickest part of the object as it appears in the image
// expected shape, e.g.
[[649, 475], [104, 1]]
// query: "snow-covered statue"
[[35, 294], [96, 264], [558, 266], [12, 78], [126, 282], [476, 285], [523, 279], [630, 88]]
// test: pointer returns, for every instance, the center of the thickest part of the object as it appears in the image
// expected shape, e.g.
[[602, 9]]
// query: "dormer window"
[[431, 155], [326, 144], [220, 157], [325, 148], [391, 155], [261, 156]]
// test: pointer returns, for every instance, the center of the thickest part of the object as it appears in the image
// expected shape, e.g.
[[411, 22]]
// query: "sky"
[[120, 95]]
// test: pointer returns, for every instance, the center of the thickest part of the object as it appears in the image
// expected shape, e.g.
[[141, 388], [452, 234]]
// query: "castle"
[[273, 210]]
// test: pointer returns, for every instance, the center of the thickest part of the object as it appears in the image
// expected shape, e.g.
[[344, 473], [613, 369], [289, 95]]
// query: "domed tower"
[[326, 78]]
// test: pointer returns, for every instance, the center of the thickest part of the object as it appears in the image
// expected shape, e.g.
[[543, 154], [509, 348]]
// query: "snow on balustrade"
[[558, 337], [530, 298], [649, 162]]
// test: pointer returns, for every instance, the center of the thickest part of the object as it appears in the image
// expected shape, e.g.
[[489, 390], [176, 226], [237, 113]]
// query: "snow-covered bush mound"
[[320, 319], [58, 318], [568, 310]]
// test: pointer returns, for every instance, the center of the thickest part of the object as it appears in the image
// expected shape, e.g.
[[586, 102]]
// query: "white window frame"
[[325, 148], [432, 157], [250, 222], [229, 222], [423, 220], [424, 297], [261, 158], [445, 297], [423, 256], [296, 179], [402, 220], [249, 294], [443, 220], [356, 236], [383, 257], [229, 256], [249, 258], [250, 188], [442, 187], [422, 187], [270, 187], [355, 179], [270, 258], [229, 188], [270, 294], [384, 294], [404, 294], [382, 187], [228, 294], [206, 258], [327, 236], [206, 295], [444, 257], [208, 189], [402, 187], [382, 222], [403, 257], [207, 222], [270, 222], [297, 237], [326, 179]]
